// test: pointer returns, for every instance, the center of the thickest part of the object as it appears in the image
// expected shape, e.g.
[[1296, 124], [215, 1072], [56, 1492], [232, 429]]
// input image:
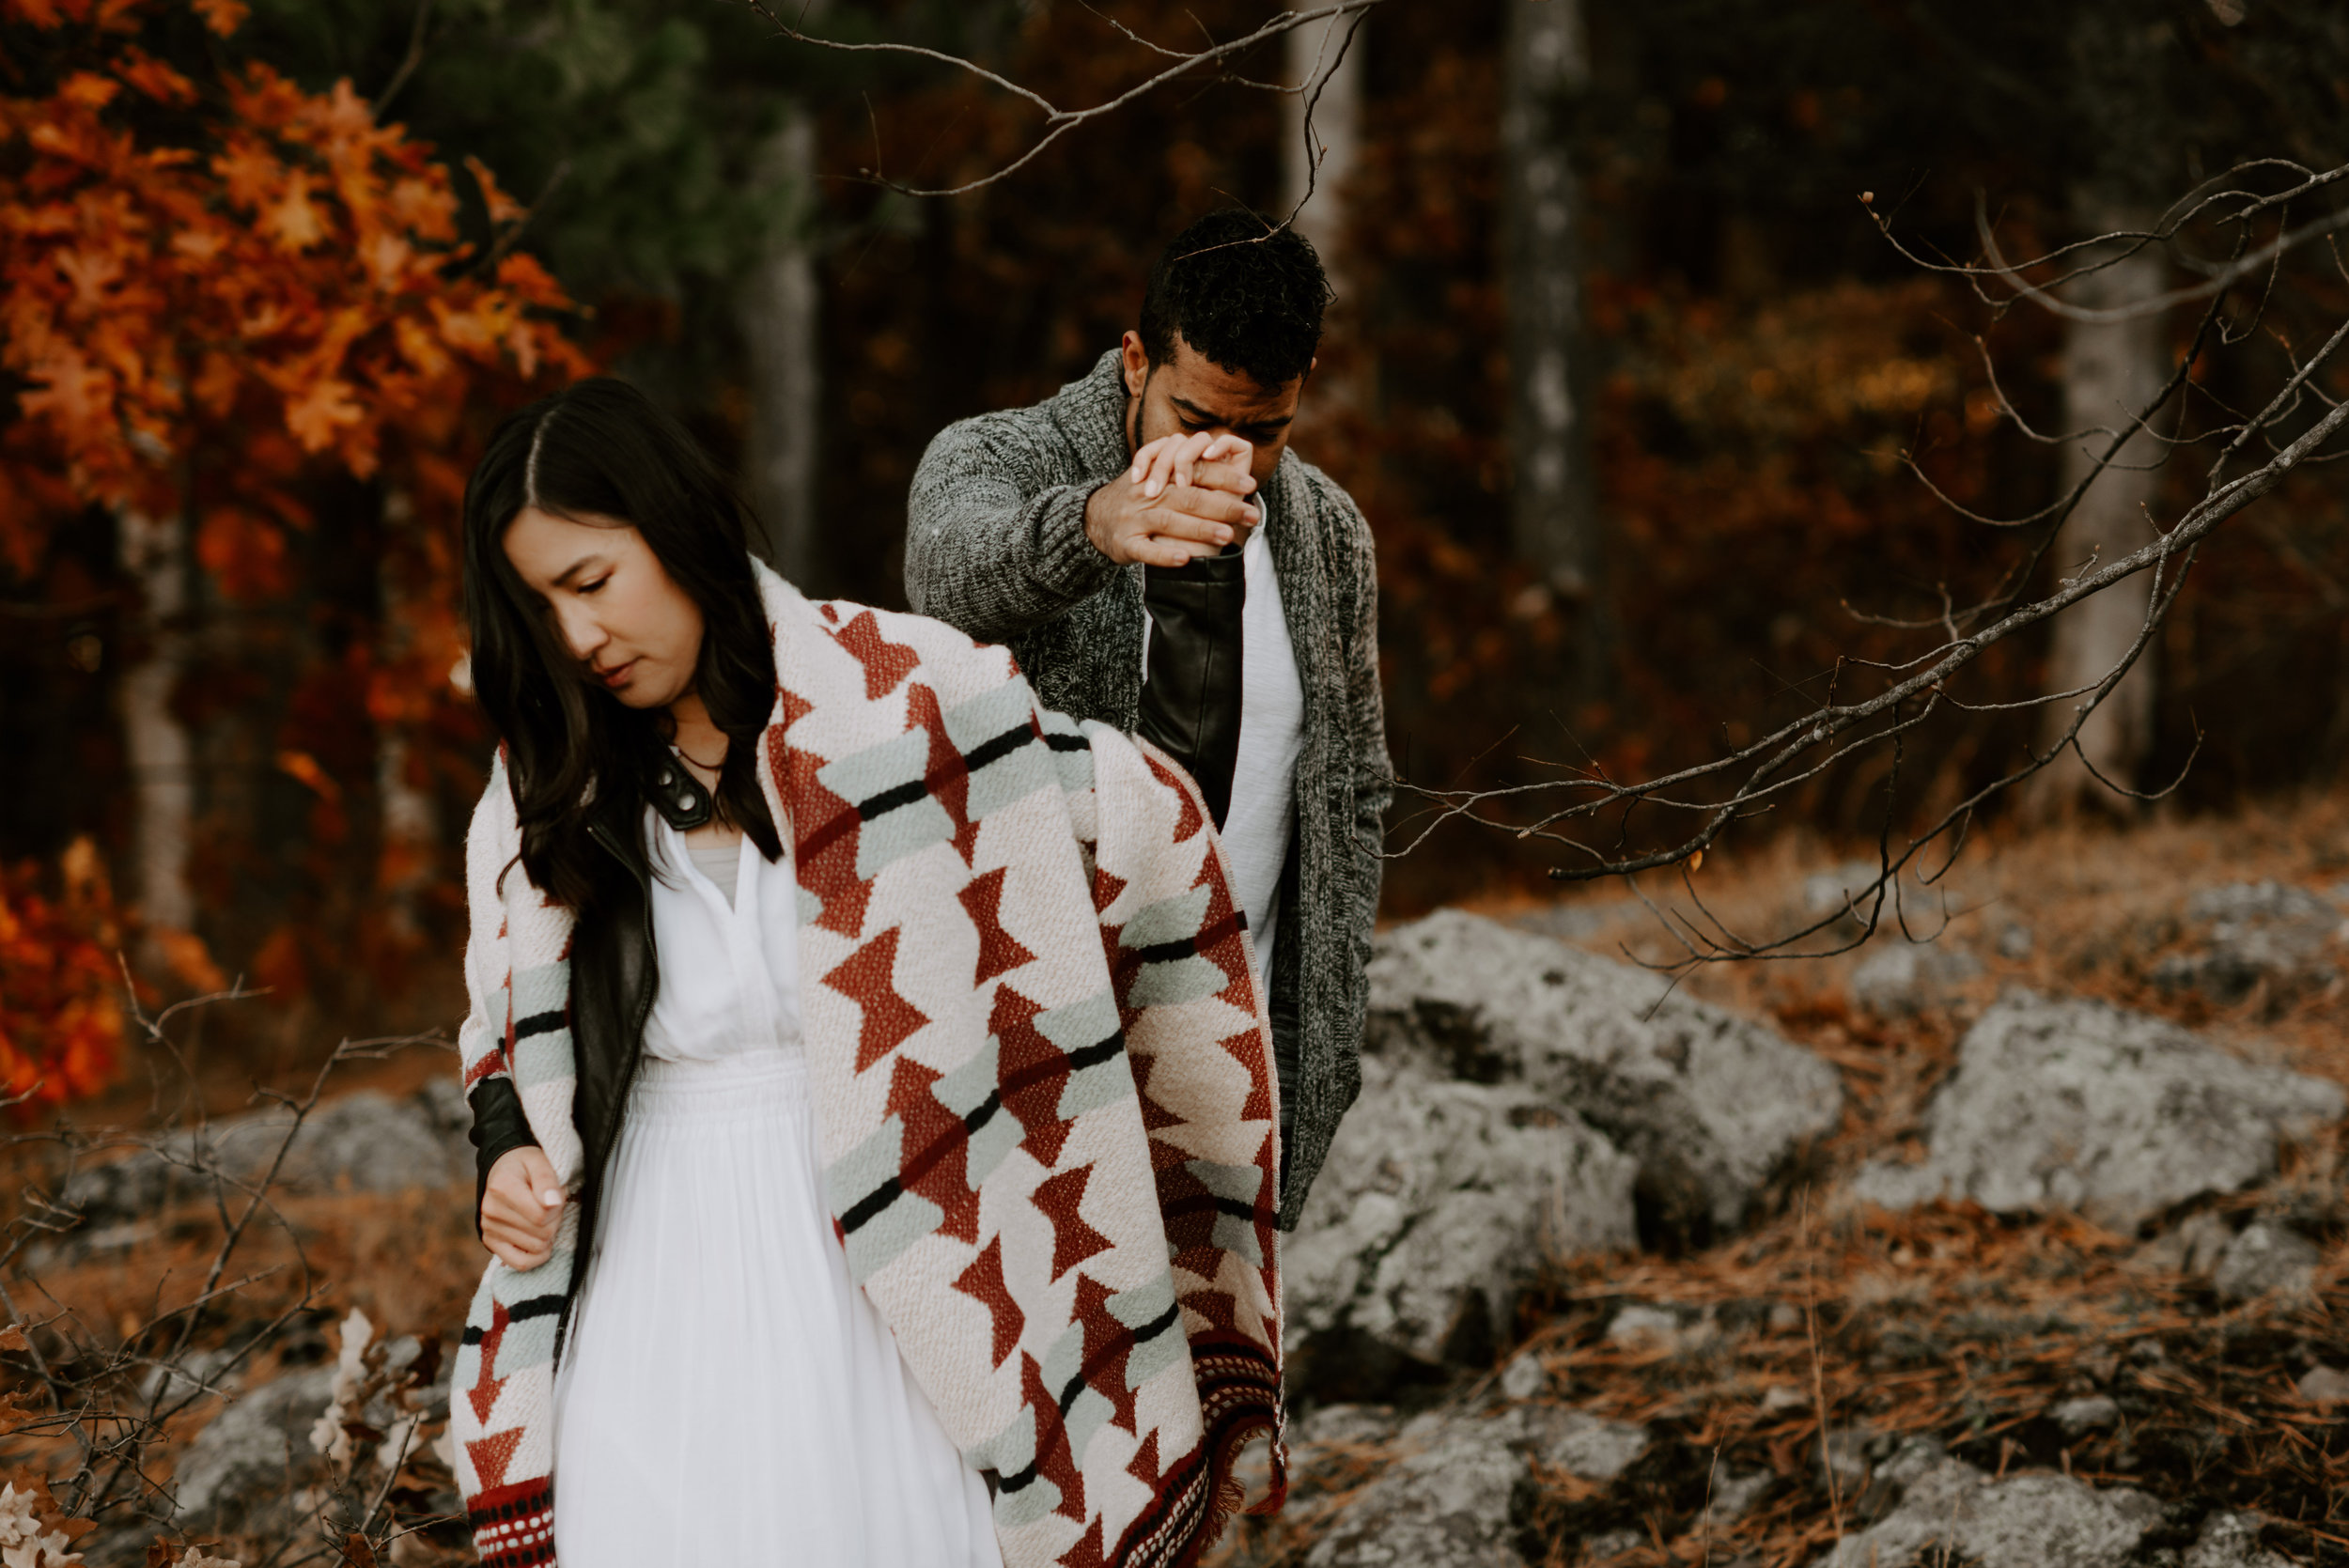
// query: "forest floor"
[[1826, 1321], [1840, 1322]]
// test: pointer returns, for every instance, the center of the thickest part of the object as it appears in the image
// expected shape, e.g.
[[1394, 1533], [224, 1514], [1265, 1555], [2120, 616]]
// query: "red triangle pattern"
[[885, 663], [945, 775], [1058, 1198], [1053, 1461], [491, 1455], [1087, 1552], [1000, 952], [1192, 819], [869, 978], [827, 829], [484, 1392], [1144, 1466], [983, 1281], [1107, 1345], [936, 1163]]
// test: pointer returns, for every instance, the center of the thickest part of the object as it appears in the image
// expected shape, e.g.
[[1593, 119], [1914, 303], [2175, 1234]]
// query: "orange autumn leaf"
[[61, 1020], [157, 80], [302, 766], [188, 961], [503, 208], [223, 17]]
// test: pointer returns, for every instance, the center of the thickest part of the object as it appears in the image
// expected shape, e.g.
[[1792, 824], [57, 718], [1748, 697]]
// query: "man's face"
[[1190, 393]]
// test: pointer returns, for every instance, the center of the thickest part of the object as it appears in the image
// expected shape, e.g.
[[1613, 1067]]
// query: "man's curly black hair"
[[1248, 298]]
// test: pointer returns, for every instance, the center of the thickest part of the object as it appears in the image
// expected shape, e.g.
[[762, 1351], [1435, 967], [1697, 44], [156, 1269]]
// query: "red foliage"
[[60, 1013], [203, 318], [249, 307]]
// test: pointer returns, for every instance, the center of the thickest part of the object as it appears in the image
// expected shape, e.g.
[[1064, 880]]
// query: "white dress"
[[728, 1395]]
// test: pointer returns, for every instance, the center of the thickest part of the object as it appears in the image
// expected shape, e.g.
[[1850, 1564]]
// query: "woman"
[[812, 970]]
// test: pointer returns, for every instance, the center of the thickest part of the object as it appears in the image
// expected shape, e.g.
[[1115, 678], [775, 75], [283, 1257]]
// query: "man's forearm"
[[983, 557]]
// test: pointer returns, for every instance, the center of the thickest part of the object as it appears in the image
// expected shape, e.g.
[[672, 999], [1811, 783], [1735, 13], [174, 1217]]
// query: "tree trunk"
[[1553, 506], [1324, 59], [2111, 372], [410, 824], [153, 554], [778, 312]]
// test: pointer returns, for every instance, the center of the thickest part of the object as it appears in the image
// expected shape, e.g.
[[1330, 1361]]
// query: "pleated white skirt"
[[728, 1395]]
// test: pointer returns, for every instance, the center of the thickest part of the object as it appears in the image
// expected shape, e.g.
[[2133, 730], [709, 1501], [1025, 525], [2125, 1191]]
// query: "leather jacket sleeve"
[[499, 1127], [1190, 695]]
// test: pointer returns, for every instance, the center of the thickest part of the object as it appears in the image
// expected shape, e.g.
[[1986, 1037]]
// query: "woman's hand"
[[520, 1208]]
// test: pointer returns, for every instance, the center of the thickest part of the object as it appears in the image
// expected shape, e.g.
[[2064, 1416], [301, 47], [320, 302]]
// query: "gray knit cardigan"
[[995, 544]]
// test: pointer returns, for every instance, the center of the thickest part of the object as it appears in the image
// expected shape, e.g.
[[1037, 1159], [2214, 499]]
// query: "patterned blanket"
[[1043, 1090]]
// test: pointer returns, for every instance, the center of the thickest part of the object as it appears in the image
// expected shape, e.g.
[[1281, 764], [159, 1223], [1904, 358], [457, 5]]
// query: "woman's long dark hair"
[[576, 756]]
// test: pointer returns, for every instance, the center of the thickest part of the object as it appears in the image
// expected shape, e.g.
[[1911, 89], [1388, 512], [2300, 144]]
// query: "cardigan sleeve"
[[499, 1124], [995, 530]]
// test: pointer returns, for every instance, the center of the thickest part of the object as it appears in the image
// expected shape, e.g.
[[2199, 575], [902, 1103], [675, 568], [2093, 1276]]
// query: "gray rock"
[[1344, 1425], [253, 1455], [1640, 1324], [1582, 1444], [1949, 1512], [1733, 1496], [1458, 1496], [2193, 1245], [2253, 932], [2322, 1385], [2266, 1259], [1711, 1105], [2089, 1413], [2078, 1104], [365, 1141], [1439, 1205], [2230, 1540], [1446, 1506], [1613, 1543], [1524, 1378], [1901, 979]]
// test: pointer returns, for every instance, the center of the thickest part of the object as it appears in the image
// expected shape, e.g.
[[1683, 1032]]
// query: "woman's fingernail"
[[551, 1197]]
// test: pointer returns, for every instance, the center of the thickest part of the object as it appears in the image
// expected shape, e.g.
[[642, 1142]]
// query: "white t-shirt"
[[1271, 734]]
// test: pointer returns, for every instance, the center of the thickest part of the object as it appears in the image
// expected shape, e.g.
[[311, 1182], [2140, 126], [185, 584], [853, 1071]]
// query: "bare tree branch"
[[1058, 122]]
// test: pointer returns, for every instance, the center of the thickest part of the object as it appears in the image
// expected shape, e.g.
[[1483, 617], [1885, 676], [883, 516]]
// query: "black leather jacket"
[[1190, 709], [1190, 693]]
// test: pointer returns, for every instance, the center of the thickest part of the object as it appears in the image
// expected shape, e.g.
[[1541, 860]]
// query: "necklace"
[[680, 798]]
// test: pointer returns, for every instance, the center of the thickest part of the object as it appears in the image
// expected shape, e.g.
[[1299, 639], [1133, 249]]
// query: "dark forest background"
[[1755, 360]]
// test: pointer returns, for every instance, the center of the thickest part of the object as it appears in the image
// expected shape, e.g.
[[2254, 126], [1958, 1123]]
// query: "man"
[[1158, 559]]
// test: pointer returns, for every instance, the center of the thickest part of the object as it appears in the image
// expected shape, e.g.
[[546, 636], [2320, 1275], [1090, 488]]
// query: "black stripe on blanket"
[[872, 1204], [540, 1023], [990, 751], [1138, 1337], [890, 799], [1183, 947], [1096, 1054], [538, 1306]]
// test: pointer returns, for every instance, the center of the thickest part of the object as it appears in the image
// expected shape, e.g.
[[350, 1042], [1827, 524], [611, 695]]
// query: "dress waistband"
[[750, 1074]]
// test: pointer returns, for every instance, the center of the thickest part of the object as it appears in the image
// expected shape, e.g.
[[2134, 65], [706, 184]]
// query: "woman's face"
[[633, 630]]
